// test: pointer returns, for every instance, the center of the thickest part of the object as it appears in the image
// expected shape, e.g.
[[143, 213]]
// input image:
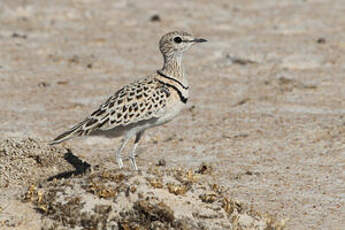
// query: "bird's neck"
[[173, 67]]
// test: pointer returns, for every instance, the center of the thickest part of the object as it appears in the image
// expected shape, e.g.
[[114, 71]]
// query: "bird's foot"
[[119, 162], [134, 163]]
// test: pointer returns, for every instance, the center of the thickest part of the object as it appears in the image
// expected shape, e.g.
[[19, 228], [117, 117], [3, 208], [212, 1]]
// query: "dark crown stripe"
[[173, 79]]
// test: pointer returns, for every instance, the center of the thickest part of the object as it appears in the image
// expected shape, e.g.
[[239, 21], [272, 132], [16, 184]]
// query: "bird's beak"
[[198, 40]]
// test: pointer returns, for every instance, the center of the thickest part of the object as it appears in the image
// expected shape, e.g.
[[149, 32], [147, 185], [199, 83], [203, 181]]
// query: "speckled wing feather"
[[141, 100]]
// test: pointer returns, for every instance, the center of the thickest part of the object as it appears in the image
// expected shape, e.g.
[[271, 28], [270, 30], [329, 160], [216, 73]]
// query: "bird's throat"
[[173, 67]]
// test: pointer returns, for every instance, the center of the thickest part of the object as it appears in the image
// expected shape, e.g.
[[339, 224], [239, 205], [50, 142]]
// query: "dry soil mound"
[[98, 198]]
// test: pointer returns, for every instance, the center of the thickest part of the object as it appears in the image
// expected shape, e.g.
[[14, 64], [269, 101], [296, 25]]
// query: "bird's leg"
[[119, 151], [132, 153]]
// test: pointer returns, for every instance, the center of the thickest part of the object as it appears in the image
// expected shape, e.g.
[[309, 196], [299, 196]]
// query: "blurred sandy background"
[[267, 91]]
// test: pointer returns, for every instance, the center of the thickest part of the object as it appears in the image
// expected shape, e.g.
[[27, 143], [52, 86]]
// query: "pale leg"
[[132, 153], [119, 151]]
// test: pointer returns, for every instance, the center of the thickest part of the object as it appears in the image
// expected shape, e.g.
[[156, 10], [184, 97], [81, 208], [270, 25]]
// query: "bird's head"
[[177, 42]]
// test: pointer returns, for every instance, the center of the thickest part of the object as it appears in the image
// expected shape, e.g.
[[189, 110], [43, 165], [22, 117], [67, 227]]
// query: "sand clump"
[[67, 193], [25, 160], [121, 199], [98, 198]]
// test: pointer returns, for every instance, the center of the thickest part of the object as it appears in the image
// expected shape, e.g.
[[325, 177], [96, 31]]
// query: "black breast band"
[[182, 98], [173, 79]]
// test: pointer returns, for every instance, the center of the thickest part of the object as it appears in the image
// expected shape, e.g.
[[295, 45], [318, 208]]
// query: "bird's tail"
[[77, 130]]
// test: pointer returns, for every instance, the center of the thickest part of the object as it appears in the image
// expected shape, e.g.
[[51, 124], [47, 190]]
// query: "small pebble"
[[43, 84], [161, 162], [321, 40], [155, 18], [16, 35]]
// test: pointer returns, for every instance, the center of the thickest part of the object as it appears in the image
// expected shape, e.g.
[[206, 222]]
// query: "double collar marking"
[[173, 79], [182, 98]]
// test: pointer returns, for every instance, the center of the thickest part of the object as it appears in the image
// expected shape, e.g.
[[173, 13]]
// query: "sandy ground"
[[267, 93]]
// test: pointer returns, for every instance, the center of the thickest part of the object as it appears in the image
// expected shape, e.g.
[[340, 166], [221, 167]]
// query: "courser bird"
[[149, 102]]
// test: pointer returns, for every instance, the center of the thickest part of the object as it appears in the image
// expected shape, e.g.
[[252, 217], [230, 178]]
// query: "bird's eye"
[[177, 40]]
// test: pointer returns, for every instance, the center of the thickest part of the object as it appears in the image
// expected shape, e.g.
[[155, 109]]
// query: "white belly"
[[170, 113]]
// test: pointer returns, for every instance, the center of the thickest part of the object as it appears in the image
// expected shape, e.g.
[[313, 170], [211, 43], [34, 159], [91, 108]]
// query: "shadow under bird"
[[149, 102]]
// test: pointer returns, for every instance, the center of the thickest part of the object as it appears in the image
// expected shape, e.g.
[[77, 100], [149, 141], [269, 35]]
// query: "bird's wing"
[[141, 100]]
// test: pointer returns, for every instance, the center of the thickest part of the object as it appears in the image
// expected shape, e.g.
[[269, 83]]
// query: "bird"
[[148, 102]]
